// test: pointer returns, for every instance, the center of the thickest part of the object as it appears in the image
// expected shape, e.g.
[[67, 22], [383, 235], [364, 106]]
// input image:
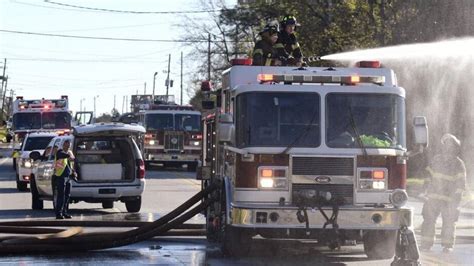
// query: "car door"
[[46, 169]]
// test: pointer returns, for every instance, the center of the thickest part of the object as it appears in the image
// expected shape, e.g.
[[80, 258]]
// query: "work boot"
[[67, 216], [447, 249], [59, 217]]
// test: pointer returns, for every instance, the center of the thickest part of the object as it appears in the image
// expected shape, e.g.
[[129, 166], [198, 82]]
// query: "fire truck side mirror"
[[421, 131], [226, 128]]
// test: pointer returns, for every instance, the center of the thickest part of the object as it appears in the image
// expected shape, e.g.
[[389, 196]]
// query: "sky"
[[84, 69]]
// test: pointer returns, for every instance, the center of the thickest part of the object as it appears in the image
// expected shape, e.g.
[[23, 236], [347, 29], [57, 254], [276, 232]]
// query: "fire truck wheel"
[[134, 205], [380, 244], [236, 242], [36, 203]]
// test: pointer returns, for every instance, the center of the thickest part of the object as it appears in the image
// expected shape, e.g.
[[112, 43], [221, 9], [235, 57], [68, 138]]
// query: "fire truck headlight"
[[399, 198], [195, 143], [273, 177], [27, 164], [151, 142]]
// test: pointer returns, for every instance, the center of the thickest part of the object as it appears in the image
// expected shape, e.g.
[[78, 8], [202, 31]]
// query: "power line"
[[82, 60], [114, 39], [132, 11]]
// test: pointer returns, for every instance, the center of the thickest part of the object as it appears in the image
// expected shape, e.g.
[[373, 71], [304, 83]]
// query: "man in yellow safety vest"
[[63, 171], [445, 186]]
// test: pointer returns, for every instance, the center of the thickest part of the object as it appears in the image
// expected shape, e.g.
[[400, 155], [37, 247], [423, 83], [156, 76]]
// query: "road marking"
[[2, 161], [186, 178]]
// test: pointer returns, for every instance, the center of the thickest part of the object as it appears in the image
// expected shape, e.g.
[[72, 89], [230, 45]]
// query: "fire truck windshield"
[[56, 120], [278, 119], [178, 121], [377, 119], [22, 121]]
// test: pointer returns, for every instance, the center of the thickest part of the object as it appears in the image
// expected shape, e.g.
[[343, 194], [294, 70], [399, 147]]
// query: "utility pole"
[[209, 56], [115, 96], [168, 77], [3, 100], [123, 102], [3, 76], [144, 89], [181, 97]]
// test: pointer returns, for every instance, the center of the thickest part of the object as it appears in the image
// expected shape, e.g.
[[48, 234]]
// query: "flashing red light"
[[46, 107], [148, 136], [355, 79], [22, 107], [378, 174], [206, 85], [241, 62], [368, 64], [197, 136]]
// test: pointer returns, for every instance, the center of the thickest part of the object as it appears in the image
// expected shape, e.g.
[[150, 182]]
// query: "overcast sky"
[[47, 66]]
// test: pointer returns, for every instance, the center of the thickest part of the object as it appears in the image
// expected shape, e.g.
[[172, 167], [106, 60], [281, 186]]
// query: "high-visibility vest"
[[60, 165]]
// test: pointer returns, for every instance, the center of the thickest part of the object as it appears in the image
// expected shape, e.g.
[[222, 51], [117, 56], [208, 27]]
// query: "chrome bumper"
[[353, 218]]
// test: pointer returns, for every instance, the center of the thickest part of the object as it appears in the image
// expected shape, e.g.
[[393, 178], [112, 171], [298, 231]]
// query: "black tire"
[[21, 185], [107, 204], [192, 167], [380, 244], [134, 205], [36, 203]]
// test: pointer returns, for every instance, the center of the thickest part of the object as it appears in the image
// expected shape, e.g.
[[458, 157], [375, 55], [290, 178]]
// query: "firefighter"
[[287, 46], [63, 170], [264, 53], [444, 189]]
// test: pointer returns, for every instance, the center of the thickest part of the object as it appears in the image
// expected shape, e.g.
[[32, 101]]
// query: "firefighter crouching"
[[264, 53], [445, 186]]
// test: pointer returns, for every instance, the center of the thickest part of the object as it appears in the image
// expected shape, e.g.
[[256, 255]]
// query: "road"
[[165, 190]]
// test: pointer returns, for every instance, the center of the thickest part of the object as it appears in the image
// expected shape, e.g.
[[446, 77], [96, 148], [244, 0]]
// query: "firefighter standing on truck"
[[445, 186], [63, 170], [287, 46], [264, 53]]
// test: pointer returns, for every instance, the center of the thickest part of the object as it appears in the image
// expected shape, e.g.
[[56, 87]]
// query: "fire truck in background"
[[173, 132], [38, 115], [309, 153]]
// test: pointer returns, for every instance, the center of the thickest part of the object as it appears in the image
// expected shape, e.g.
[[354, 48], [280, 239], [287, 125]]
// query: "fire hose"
[[78, 241]]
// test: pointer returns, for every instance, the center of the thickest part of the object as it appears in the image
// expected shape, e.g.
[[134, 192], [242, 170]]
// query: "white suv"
[[108, 162], [33, 141]]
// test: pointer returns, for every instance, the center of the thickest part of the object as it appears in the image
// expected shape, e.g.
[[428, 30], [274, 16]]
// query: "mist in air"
[[439, 80]]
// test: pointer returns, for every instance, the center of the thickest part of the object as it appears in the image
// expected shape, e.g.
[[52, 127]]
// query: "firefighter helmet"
[[289, 20], [270, 28], [450, 143]]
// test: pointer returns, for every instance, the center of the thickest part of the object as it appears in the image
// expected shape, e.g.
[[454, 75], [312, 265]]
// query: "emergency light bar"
[[348, 80]]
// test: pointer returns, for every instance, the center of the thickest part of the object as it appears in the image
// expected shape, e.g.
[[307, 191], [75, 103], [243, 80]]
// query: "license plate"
[[107, 191]]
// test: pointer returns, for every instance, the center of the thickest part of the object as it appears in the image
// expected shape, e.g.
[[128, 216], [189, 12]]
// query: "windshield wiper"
[[303, 134], [356, 132]]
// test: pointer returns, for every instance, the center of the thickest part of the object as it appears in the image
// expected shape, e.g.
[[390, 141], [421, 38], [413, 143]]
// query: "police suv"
[[108, 163]]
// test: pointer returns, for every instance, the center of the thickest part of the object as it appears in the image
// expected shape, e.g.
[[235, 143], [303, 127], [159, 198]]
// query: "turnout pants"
[[449, 213], [61, 192]]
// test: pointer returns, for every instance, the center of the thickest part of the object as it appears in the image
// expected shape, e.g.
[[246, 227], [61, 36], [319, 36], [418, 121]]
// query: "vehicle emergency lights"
[[206, 85], [346, 80]]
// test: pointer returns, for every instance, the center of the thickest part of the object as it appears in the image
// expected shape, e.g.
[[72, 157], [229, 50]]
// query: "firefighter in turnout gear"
[[264, 53], [287, 46], [63, 170], [445, 186]]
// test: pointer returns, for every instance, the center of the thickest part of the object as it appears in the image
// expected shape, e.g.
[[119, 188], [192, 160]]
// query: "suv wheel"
[[107, 204], [21, 185], [134, 205], [36, 203]]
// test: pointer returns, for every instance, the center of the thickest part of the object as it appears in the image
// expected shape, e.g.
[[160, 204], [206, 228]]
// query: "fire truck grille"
[[323, 166], [313, 194], [174, 140]]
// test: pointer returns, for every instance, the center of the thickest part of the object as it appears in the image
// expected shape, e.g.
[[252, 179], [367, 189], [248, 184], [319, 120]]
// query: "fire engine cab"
[[309, 153]]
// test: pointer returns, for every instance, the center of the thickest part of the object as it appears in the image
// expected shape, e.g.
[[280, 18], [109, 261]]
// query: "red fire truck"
[[173, 132], [309, 153]]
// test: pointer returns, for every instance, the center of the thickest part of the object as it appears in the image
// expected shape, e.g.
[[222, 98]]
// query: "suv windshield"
[[376, 118], [56, 120], [26, 121], [278, 119], [36, 143]]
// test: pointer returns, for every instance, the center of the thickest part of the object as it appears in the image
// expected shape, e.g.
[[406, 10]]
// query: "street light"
[[154, 78], [97, 96]]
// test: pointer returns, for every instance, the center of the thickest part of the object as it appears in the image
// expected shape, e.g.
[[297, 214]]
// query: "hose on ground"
[[94, 241]]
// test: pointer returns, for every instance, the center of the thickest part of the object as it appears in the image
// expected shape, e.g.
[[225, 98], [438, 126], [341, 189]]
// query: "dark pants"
[[449, 213], [61, 192]]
